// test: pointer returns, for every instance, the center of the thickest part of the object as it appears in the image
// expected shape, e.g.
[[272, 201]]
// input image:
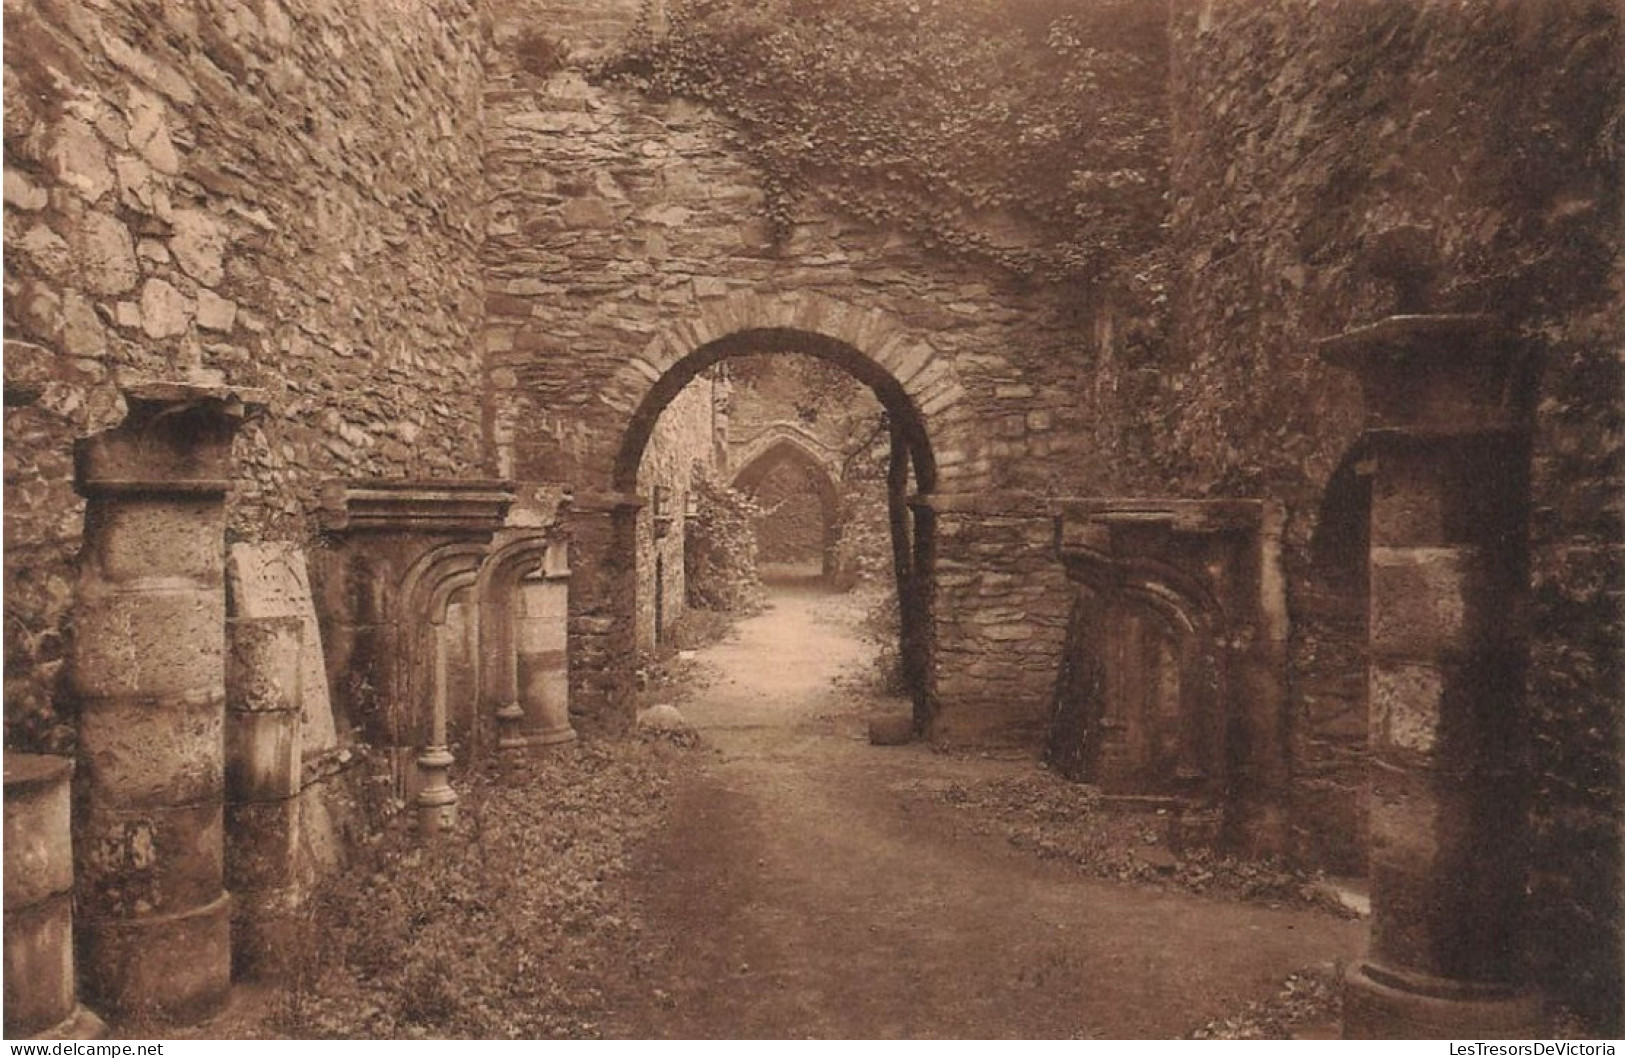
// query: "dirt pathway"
[[806, 889]]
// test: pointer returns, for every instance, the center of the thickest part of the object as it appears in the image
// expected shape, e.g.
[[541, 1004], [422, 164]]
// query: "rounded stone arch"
[[915, 384], [768, 453], [932, 442]]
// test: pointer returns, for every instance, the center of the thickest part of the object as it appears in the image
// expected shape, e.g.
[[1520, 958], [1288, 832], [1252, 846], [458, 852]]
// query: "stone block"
[[22, 193], [1430, 602], [78, 159], [141, 539], [214, 312], [165, 311], [263, 662], [152, 752], [175, 967], [104, 254], [272, 934], [1407, 705], [262, 755], [39, 980], [38, 845], [137, 862], [162, 643], [270, 580], [263, 845], [199, 245]]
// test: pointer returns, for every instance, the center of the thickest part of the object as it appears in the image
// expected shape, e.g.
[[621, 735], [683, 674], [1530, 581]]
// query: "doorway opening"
[[827, 447]]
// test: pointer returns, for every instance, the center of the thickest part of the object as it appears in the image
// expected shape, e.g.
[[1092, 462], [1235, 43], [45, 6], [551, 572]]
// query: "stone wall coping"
[[1184, 516], [24, 771], [987, 504]]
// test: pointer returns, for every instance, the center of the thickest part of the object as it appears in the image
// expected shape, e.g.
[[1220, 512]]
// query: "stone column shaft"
[[148, 671], [42, 999], [541, 658], [1445, 683], [437, 801], [1447, 436], [263, 778]]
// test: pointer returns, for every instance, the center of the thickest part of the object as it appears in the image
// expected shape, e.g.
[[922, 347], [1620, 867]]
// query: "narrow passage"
[[806, 888]]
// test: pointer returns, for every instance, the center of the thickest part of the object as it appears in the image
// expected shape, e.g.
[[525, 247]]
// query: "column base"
[[82, 1024], [174, 969], [1378, 1005], [437, 801]]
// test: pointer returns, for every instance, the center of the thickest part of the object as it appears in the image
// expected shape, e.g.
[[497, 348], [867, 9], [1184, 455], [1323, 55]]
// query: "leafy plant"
[[719, 555], [1022, 131]]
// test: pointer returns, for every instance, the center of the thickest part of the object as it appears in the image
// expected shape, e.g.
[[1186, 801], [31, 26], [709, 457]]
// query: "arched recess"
[[775, 434], [791, 450], [917, 387]]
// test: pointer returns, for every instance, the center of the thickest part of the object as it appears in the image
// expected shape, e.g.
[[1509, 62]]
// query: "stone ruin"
[[355, 381], [209, 750]]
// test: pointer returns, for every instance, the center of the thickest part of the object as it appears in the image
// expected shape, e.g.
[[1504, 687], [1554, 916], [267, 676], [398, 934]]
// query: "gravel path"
[[804, 887]]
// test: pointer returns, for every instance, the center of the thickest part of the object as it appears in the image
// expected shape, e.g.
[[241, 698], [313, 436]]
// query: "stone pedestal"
[[41, 1000], [263, 773], [402, 554], [1176, 657], [148, 671], [1447, 404]]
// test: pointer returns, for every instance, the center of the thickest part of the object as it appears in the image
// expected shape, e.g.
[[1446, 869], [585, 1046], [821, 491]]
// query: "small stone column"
[[263, 772], [148, 671], [436, 801], [1447, 405], [42, 1000]]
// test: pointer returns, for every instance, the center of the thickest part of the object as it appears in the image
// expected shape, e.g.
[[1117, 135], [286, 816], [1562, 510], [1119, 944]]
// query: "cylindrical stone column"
[[1447, 439], [263, 761], [41, 996], [437, 801], [541, 657], [148, 671]]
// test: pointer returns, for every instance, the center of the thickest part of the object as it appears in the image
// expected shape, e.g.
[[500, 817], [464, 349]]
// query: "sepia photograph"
[[650, 520]]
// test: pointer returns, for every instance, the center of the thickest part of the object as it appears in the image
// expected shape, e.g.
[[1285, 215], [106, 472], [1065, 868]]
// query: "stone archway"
[[932, 448], [780, 446]]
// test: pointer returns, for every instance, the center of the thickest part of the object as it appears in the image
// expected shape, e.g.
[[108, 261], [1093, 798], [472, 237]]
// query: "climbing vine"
[[720, 556], [1028, 132]]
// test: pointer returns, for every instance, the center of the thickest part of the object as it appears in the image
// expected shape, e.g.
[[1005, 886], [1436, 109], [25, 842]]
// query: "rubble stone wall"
[[681, 448], [616, 219], [279, 193], [1311, 138]]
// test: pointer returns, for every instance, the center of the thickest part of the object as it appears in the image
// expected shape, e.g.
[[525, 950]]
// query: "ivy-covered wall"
[[283, 193], [1309, 141], [617, 217]]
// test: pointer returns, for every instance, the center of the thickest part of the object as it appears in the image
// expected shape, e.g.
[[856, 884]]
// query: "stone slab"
[[272, 580]]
